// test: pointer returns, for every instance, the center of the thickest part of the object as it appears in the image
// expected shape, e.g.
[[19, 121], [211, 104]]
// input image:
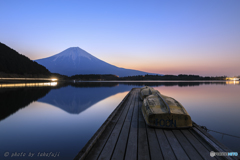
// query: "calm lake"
[[38, 120]]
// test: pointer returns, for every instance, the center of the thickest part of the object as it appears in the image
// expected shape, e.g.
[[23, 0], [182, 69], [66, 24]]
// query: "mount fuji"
[[74, 61]]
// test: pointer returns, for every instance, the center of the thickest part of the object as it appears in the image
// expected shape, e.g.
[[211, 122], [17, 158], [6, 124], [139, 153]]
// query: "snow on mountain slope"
[[73, 52]]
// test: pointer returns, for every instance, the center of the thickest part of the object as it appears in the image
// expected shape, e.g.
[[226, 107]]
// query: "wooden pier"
[[124, 135]]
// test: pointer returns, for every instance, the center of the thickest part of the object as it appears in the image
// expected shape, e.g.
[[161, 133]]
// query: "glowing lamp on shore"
[[54, 79], [232, 79]]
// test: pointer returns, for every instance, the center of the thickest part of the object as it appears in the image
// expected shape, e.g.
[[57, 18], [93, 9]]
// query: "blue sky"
[[166, 37]]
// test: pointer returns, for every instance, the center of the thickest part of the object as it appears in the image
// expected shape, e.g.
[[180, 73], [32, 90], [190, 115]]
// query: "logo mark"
[[212, 154], [6, 154]]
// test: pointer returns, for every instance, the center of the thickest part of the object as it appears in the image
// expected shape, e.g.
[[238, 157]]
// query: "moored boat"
[[165, 112], [146, 91]]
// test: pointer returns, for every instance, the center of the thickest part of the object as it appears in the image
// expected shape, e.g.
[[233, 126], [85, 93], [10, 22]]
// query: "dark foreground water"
[[54, 121]]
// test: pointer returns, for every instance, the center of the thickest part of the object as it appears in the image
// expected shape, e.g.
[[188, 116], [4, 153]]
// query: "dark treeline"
[[179, 83], [11, 62], [139, 84], [172, 77], [146, 77]]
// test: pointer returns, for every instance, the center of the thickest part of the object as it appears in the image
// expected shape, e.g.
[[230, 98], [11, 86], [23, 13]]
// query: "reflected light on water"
[[28, 85], [232, 82]]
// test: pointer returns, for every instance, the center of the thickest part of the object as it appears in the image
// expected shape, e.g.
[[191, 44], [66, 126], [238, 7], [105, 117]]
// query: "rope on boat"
[[205, 128]]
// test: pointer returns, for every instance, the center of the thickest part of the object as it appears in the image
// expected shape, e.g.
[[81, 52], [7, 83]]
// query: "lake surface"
[[55, 120]]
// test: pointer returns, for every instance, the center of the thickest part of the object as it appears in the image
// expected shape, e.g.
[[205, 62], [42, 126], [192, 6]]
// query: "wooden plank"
[[201, 140], [96, 150], [124, 114], [120, 148], [130, 111], [164, 145], [155, 151], [211, 143], [143, 149], [111, 142], [140, 116], [176, 147], [213, 139], [204, 143], [118, 114], [131, 150], [135, 111], [189, 149], [204, 153]]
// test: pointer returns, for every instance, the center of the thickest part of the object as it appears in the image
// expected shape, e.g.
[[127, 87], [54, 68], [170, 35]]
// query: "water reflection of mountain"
[[77, 97], [13, 99]]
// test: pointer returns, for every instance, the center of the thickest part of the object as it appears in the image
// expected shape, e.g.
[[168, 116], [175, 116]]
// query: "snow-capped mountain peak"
[[74, 53]]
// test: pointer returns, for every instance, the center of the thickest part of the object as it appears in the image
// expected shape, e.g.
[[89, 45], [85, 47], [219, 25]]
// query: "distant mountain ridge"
[[11, 62], [74, 61]]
